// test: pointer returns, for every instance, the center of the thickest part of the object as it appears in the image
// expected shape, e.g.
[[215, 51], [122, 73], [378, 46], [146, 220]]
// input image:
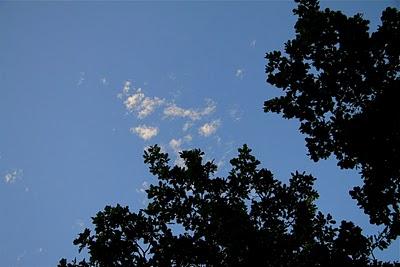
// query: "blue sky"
[[86, 86]]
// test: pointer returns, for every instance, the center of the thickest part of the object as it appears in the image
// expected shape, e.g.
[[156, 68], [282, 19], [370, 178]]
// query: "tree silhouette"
[[342, 83], [249, 218]]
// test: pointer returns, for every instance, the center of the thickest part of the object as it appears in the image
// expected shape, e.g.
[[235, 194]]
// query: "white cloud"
[[176, 93], [175, 144], [194, 114], [220, 163], [11, 176], [127, 87], [103, 81], [188, 138], [148, 106], [209, 128], [187, 125], [228, 149], [180, 162], [235, 113], [21, 255], [175, 111], [133, 101], [239, 73], [253, 43], [143, 188], [145, 132], [125, 90], [172, 76], [81, 78], [79, 223], [138, 102]]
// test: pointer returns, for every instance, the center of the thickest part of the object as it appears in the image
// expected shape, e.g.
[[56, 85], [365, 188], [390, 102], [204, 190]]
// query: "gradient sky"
[[86, 86]]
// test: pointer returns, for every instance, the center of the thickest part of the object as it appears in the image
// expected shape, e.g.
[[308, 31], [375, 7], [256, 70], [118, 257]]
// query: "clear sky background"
[[86, 86]]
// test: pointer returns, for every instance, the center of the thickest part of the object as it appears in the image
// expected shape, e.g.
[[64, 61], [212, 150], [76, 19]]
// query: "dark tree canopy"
[[249, 218], [342, 83]]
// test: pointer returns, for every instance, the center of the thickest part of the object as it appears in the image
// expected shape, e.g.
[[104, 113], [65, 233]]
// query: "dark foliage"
[[342, 83], [249, 218]]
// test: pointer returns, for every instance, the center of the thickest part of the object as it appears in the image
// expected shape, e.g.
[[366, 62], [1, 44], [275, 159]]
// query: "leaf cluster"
[[249, 218]]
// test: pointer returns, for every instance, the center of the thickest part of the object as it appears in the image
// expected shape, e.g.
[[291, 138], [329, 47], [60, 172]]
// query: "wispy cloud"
[[175, 144], [229, 150], [139, 103], [187, 126], [127, 87], [125, 90], [236, 113], [253, 43], [239, 73], [79, 223], [103, 81], [132, 102], [209, 128], [81, 78], [188, 138], [148, 106], [145, 132], [194, 114], [172, 76], [21, 255], [11, 176], [143, 188]]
